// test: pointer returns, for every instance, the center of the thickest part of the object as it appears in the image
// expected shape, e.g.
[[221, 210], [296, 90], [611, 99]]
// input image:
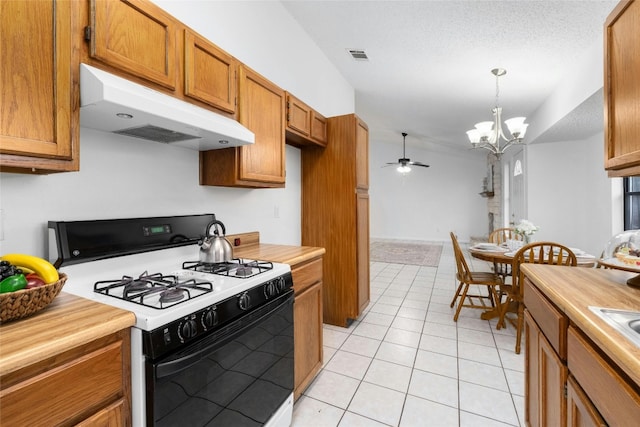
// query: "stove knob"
[[270, 289], [210, 319], [244, 301], [281, 284], [188, 329]]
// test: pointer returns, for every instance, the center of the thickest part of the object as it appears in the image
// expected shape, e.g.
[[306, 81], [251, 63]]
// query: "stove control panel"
[[196, 325]]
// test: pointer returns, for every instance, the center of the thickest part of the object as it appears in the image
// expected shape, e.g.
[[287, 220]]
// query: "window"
[[632, 203]]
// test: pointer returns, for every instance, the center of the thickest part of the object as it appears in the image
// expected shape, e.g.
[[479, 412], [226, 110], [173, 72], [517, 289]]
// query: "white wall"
[[427, 203], [122, 177], [569, 194]]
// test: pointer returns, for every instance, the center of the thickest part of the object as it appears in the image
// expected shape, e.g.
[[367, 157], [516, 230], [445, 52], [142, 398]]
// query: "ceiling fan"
[[404, 164]]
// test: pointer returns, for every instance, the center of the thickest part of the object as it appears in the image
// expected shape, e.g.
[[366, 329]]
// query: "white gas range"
[[216, 336]]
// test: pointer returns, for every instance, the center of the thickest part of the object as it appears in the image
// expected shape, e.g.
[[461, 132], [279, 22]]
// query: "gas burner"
[[237, 267], [172, 295], [153, 290]]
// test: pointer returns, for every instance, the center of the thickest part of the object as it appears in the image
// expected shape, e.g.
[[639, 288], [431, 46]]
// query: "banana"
[[41, 267]]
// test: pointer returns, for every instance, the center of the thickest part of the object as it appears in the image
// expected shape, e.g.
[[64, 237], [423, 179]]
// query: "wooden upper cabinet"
[[318, 128], [622, 89], [261, 108], [209, 73], [38, 75], [305, 126], [298, 116], [135, 36]]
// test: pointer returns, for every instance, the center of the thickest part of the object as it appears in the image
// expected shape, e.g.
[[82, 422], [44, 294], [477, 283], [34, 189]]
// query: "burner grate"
[[237, 267], [153, 290]]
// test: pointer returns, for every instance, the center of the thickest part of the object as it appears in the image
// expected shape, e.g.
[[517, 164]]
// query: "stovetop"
[[167, 267]]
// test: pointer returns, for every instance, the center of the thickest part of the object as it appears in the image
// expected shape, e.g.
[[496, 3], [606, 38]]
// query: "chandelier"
[[489, 135]]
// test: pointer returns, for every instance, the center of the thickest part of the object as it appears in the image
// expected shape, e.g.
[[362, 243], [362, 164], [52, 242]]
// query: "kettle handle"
[[211, 224]]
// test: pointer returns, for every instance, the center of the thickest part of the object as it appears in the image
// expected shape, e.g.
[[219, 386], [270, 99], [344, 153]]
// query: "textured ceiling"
[[428, 72]]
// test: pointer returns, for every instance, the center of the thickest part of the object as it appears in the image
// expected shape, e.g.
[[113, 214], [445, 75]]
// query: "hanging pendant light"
[[489, 135]]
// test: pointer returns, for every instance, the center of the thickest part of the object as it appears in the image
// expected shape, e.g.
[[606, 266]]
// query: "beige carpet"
[[426, 254]]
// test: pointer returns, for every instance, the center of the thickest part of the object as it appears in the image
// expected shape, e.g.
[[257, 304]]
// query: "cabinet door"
[[362, 155], [580, 410], [298, 116], [111, 416], [135, 36], [362, 235], [622, 90], [319, 128], [546, 377], [209, 73], [77, 388], [39, 115], [261, 109], [307, 316], [531, 369]]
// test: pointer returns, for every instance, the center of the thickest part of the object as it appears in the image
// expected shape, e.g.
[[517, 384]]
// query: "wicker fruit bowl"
[[25, 302]]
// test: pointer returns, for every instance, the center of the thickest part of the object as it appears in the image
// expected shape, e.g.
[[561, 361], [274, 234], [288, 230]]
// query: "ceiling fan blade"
[[419, 164], [390, 164]]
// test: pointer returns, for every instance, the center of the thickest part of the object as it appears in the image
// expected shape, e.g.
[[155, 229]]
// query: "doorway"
[[516, 203]]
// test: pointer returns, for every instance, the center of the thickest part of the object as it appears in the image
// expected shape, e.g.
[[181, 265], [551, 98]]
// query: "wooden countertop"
[[69, 321], [573, 290], [285, 254]]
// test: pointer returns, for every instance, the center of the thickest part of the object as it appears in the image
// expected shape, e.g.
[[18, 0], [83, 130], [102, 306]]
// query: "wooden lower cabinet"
[[546, 376], [307, 318], [569, 381], [87, 385], [580, 410]]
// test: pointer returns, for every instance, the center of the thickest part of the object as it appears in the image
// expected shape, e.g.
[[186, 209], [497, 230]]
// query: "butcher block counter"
[[67, 364], [306, 270], [568, 346]]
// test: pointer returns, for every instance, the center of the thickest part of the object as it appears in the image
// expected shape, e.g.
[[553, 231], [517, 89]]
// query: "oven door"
[[238, 375]]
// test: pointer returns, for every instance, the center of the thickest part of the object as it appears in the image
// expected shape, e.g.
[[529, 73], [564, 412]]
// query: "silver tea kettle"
[[215, 248]]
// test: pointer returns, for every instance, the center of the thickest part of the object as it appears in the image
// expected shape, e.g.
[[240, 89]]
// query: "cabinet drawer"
[[614, 398], [550, 320], [68, 392], [306, 275]]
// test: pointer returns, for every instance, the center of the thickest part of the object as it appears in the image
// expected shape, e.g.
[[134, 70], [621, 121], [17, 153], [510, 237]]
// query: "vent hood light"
[[112, 104]]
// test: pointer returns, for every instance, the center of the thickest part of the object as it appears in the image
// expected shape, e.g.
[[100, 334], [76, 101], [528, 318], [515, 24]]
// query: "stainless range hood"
[[112, 104]]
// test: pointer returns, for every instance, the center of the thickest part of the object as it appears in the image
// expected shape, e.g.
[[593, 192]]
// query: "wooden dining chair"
[[534, 253], [501, 235], [467, 278]]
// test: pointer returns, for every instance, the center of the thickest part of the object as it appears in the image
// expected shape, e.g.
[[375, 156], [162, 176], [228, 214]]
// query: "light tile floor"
[[406, 363]]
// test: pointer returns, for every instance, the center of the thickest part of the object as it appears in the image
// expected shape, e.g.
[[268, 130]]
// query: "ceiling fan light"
[[474, 136], [404, 169], [517, 126]]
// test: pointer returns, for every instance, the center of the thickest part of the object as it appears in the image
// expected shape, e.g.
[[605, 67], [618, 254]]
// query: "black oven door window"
[[237, 376]]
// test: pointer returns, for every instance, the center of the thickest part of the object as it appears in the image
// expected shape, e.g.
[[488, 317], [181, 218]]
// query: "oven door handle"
[[194, 353]]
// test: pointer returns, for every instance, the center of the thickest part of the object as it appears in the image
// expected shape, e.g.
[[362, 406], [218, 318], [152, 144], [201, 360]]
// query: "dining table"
[[502, 259]]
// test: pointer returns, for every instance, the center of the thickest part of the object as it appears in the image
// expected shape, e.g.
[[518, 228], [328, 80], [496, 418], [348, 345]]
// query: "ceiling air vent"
[[358, 54]]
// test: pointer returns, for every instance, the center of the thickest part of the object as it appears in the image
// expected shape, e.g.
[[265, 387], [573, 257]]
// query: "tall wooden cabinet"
[[261, 107], [39, 112], [622, 89], [335, 215]]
